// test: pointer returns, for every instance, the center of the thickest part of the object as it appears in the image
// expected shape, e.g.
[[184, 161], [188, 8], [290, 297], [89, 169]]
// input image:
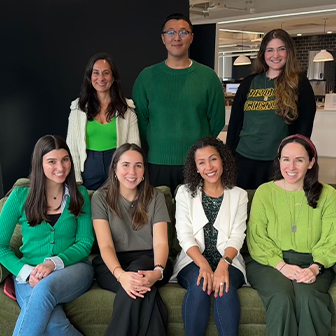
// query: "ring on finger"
[[221, 284]]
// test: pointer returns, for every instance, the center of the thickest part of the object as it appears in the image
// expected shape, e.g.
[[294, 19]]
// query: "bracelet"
[[159, 265], [161, 269], [115, 268], [282, 267], [121, 273]]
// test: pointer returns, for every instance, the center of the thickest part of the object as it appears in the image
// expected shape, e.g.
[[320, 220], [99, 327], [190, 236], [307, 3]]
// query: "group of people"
[[179, 111]]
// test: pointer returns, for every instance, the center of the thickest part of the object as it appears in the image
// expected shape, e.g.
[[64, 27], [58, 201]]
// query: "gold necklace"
[[293, 220]]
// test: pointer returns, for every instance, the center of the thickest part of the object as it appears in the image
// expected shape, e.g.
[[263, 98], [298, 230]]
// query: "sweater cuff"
[[23, 275], [274, 260], [57, 261]]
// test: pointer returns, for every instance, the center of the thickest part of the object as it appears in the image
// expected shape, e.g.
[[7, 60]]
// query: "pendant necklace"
[[265, 97], [55, 197], [292, 218]]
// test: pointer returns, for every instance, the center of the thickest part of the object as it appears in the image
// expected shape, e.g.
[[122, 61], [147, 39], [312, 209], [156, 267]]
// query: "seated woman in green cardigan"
[[292, 240], [55, 219]]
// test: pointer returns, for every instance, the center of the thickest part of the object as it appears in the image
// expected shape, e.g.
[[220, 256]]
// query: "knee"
[[305, 294], [281, 300]]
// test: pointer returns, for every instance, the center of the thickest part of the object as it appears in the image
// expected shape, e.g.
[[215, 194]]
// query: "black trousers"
[[139, 317], [252, 173], [164, 175]]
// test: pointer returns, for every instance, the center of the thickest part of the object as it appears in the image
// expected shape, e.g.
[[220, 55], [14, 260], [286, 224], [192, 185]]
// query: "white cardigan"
[[127, 131], [230, 223]]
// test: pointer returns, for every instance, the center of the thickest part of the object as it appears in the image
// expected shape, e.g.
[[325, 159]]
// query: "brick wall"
[[303, 44]]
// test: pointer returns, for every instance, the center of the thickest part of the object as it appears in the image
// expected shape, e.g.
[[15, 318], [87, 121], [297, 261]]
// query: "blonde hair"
[[287, 83]]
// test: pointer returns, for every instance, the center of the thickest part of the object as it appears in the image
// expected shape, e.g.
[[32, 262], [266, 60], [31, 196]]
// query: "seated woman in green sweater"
[[55, 219], [292, 240]]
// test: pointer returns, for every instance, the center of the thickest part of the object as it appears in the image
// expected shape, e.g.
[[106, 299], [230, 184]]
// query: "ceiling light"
[[242, 59], [240, 31], [329, 32], [299, 34], [323, 55], [279, 16]]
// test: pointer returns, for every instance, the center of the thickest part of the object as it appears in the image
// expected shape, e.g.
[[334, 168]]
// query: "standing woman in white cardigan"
[[100, 121], [210, 222]]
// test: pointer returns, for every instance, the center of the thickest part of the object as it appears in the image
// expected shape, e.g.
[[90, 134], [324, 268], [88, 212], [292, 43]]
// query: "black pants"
[[139, 317], [96, 168], [252, 173], [164, 175]]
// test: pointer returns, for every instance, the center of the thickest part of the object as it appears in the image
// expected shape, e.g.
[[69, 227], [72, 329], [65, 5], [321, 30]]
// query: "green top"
[[274, 211], [70, 239], [101, 137], [262, 129], [176, 107], [211, 206]]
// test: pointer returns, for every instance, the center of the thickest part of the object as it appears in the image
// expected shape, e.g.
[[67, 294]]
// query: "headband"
[[302, 137]]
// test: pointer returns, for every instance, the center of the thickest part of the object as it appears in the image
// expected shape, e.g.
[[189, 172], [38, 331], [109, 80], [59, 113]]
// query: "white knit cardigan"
[[127, 131]]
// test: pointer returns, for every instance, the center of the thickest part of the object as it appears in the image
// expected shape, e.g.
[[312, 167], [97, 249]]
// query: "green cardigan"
[[70, 239], [270, 227]]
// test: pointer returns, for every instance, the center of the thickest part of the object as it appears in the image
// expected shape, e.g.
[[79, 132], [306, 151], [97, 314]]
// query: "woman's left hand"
[[221, 279], [306, 276], [150, 277], [42, 270]]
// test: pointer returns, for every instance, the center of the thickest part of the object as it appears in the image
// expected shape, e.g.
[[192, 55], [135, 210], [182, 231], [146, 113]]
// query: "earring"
[[115, 176], [197, 172], [142, 178]]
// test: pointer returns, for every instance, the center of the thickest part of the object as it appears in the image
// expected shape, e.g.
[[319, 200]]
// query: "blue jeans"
[[196, 303], [41, 306]]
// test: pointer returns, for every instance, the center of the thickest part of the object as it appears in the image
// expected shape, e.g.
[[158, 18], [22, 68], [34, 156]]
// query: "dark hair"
[[88, 99], [177, 16], [193, 180], [36, 205], [311, 186], [287, 83], [144, 190]]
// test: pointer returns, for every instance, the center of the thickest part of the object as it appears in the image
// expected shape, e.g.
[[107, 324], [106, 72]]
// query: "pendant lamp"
[[323, 55], [242, 60]]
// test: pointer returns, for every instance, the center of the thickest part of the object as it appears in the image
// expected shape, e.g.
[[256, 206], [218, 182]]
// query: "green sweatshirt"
[[70, 239], [176, 107], [262, 129], [273, 213]]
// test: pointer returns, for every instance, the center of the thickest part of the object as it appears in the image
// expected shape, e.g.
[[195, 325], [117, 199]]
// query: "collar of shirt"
[[65, 196]]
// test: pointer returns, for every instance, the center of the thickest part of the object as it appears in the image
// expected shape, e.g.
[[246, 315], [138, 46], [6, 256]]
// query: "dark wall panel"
[[45, 46], [202, 49]]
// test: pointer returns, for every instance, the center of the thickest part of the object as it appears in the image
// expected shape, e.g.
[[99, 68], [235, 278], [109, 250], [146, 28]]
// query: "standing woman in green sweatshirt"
[[274, 102], [54, 215], [292, 239]]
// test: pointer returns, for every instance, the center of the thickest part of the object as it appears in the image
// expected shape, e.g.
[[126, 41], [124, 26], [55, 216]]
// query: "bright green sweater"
[[270, 227], [176, 107], [70, 239]]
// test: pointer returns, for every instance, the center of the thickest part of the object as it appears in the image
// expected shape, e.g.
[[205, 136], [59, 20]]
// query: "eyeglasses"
[[182, 33]]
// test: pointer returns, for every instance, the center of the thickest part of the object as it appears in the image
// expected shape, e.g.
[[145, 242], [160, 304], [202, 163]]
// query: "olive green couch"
[[91, 312]]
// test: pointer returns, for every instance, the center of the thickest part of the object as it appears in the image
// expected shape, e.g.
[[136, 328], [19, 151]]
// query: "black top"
[[54, 218]]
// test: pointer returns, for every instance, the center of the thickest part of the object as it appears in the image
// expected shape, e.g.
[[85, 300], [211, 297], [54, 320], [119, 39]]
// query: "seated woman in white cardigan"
[[210, 222]]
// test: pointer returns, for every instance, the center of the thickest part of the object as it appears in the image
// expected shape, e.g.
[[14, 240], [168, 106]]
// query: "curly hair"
[[287, 83], [194, 180], [311, 186]]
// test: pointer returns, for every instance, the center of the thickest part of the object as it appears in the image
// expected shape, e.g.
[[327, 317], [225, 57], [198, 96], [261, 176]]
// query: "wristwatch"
[[227, 260], [320, 267], [161, 269]]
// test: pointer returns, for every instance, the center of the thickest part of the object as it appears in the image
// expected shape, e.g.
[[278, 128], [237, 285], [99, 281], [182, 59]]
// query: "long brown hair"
[[287, 83], [36, 205], [144, 190], [88, 99], [311, 186]]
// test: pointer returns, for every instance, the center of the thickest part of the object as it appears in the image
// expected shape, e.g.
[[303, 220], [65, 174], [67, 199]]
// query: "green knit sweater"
[[70, 239], [176, 107], [273, 213]]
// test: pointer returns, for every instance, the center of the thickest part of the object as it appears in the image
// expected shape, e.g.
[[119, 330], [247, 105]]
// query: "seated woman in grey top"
[[130, 220]]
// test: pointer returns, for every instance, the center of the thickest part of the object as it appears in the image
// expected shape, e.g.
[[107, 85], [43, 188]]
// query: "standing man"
[[178, 101]]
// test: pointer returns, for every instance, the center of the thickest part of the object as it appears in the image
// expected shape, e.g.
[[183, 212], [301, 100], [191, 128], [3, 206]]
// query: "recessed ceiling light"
[[329, 32], [299, 34]]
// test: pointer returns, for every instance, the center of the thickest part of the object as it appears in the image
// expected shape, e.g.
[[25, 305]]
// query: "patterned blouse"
[[211, 206]]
